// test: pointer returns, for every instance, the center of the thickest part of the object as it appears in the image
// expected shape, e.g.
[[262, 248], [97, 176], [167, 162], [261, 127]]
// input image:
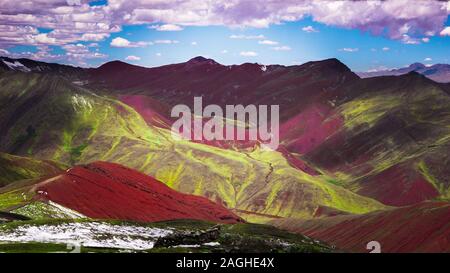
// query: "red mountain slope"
[[423, 227], [399, 185], [111, 191]]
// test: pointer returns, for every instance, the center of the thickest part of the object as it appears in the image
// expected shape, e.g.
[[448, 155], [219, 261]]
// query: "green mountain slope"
[[46, 117]]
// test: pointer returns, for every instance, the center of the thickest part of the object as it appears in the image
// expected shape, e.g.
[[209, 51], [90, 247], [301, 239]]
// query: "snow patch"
[[186, 246], [66, 211], [212, 244], [88, 234], [16, 65]]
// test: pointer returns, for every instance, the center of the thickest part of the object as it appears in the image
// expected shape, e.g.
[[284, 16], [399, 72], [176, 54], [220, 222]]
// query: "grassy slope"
[[393, 122], [13, 168], [71, 125]]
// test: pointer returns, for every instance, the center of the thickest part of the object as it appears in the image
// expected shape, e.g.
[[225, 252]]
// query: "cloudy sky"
[[366, 35]]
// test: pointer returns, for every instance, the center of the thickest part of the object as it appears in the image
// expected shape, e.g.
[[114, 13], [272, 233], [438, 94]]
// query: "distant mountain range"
[[351, 148], [436, 72]]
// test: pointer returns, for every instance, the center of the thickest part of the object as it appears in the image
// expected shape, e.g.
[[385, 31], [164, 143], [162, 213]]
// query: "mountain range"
[[83, 141], [435, 72]]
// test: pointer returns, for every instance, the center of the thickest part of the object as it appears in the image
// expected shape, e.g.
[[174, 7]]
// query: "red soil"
[[398, 186], [423, 227], [110, 191], [149, 109], [310, 128], [296, 162]]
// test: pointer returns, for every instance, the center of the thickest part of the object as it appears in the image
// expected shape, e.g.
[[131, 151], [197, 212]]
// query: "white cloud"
[[349, 49], [224, 51], [96, 37], [4, 51], [247, 37], [79, 52], [281, 48], [167, 27], [425, 39], [309, 29], [194, 43], [386, 48], [427, 59], [445, 32], [166, 42], [133, 58], [74, 23], [267, 42], [248, 54], [122, 42], [158, 54], [406, 39]]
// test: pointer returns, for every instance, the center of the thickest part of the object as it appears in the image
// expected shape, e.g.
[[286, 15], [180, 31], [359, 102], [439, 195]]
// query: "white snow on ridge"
[[88, 234], [66, 211], [16, 65]]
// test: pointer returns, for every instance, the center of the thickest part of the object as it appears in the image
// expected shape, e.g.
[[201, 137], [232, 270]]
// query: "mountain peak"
[[201, 60], [117, 66], [417, 66]]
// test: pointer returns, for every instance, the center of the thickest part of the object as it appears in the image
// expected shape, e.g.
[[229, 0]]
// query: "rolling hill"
[[354, 149], [110, 191], [423, 227]]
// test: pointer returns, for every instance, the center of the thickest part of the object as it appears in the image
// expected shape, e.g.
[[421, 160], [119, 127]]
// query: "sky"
[[365, 35]]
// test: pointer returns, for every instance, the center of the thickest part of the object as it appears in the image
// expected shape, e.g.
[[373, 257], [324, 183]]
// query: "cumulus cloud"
[[166, 42], [94, 36], [248, 54], [427, 59], [247, 37], [281, 48], [385, 48], [167, 27], [445, 31], [349, 49], [309, 29], [74, 21], [4, 52], [267, 42], [122, 42], [133, 58], [392, 18], [80, 51]]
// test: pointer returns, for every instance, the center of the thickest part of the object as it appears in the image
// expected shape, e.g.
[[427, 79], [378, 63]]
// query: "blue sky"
[[367, 51], [319, 34]]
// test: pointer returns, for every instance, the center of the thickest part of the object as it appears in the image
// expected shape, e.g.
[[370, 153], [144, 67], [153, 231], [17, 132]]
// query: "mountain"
[[27, 65], [421, 227], [393, 143], [350, 148], [328, 114], [292, 87], [45, 116], [103, 190], [15, 168], [436, 72]]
